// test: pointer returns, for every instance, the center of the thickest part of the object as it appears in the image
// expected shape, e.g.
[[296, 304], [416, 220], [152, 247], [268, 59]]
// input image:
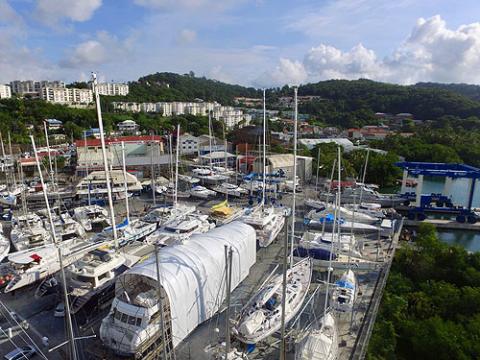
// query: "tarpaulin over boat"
[[193, 273]]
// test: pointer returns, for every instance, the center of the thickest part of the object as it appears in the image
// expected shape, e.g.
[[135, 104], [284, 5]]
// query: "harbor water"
[[470, 240]]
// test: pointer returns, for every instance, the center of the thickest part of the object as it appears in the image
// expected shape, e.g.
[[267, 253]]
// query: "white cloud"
[[181, 5], [286, 72], [186, 36], [432, 52], [51, 12], [104, 49], [9, 15]]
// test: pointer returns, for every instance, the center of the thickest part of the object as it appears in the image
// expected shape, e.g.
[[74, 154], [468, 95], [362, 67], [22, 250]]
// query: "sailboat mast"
[[364, 176], [125, 183], [105, 159], [48, 149], [284, 290], [152, 175], [177, 151], [332, 174], [11, 157], [330, 269], [318, 169], [210, 137], [86, 166], [60, 260], [228, 289], [264, 148], [295, 120]]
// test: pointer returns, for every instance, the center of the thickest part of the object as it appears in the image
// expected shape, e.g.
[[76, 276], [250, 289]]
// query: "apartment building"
[[5, 91], [33, 88], [112, 89], [229, 115], [61, 95]]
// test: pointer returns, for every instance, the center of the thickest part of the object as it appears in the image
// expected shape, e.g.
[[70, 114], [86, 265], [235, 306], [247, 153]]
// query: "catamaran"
[[180, 229]]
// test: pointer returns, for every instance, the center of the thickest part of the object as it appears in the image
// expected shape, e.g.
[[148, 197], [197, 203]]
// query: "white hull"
[[26, 272], [321, 341], [260, 318]]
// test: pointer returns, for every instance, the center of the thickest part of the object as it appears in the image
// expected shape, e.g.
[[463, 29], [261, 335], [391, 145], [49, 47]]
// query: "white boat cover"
[[193, 273]]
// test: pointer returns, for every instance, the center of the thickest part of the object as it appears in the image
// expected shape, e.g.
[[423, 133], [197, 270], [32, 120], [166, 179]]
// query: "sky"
[[261, 43]]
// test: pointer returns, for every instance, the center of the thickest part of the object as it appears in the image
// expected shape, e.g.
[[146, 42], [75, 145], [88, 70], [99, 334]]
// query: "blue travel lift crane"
[[441, 201]]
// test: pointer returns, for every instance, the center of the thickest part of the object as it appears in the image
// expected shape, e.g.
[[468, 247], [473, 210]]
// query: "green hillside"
[[187, 87]]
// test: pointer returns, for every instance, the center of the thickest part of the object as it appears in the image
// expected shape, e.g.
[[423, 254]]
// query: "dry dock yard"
[[31, 319]]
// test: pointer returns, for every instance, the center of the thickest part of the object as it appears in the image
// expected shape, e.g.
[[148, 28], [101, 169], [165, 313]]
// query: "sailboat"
[[267, 222], [269, 309], [4, 244], [318, 246], [320, 341], [261, 317], [202, 192], [345, 292]]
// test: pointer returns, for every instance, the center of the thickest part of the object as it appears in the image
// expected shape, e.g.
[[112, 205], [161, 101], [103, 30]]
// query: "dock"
[[444, 224]]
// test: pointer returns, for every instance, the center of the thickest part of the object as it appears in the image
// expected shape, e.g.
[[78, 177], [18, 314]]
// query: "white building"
[[128, 127], [231, 116], [67, 96], [34, 88], [311, 143], [111, 89], [189, 144], [5, 91]]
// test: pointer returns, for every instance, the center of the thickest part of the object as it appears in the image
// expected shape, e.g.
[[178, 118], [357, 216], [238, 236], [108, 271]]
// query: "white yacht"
[[26, 267], [180, 229], [94, 184], [192, 284], [91, 217], [202, 192], [230, 190], [318, 246], [92, 275], [162, 214], [30, 237], [128, 231], [345, 213], [66, 228], [266, 222], [325, 220], [320, 341], [261, 317], [345, 292]]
